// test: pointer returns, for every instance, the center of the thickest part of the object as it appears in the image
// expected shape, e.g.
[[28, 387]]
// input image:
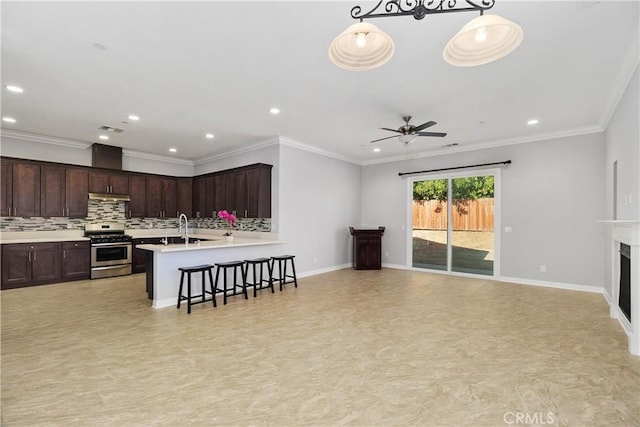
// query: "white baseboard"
[[396, 266], [323, 270], [546, 284], [516, 280], [167, 302], [608, 297]]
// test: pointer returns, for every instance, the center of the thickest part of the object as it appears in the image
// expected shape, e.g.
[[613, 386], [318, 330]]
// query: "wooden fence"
[[468, 215]]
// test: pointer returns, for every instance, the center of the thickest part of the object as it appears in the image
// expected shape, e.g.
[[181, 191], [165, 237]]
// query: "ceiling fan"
[[409, 132]]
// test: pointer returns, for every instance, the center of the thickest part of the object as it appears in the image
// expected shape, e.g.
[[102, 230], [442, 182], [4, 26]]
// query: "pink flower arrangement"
[[230, 218]]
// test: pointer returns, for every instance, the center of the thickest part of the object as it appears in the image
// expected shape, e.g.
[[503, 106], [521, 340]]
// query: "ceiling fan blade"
[[424, 126], [441, 134], [391, 130], [382, 139]]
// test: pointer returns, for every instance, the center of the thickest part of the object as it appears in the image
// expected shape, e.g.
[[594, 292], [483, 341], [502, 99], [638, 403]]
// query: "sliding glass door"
[[453, 223], [430, 224]]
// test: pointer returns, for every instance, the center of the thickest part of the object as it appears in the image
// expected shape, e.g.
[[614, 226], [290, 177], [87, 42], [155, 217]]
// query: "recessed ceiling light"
[[376, 150], [134, 117], [103, 137], [16, 89], [209, 136], [274, 110], [533, 122], [173, 150], [9, 119]]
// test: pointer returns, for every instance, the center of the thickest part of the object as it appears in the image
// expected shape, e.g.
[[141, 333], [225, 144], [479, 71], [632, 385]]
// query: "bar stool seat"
[[205, 268], [258, 281], [283, 260], [235, 286]]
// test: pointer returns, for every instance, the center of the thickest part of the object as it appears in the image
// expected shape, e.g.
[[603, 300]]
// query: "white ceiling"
[[188, 68]]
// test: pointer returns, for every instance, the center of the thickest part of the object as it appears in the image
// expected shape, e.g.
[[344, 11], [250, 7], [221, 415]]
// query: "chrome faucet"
[[186, 227]]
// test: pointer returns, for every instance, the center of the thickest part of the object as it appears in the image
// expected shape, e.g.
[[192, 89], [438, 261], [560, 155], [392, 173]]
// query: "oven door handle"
[[100, 245]]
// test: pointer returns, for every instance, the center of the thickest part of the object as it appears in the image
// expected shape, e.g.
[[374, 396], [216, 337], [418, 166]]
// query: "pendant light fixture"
[[364, 46], [484, 39], [361, 47]]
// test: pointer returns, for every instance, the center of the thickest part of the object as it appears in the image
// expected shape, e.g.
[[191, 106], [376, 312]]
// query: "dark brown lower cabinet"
[[29, 264], [139, 257], [367, 248], [76, 260]]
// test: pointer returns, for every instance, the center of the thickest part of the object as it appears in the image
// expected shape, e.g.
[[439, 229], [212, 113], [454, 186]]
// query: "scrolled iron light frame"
[[420, 8], [484, 39]]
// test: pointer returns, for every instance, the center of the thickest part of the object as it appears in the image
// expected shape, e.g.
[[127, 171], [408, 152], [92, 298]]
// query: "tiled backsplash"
[[100, 211]]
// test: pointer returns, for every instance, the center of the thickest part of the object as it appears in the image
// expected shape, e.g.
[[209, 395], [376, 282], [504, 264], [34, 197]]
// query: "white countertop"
[[10, 237], [219, 243]]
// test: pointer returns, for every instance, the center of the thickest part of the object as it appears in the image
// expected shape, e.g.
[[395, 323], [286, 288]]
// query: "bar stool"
[[282, 270], [206, 268], [258, 282], [234, 266]]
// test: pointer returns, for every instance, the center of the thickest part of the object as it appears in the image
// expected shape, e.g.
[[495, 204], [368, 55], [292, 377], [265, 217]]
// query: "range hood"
[[110, 197]]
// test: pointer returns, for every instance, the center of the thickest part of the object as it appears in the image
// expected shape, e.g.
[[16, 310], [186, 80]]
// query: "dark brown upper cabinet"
[[138, 195], [245, 191], [161, 197], [25, 189], [199, 197], [6, 199], [76, 192], [185, 196], [104, 182], [52, 191]]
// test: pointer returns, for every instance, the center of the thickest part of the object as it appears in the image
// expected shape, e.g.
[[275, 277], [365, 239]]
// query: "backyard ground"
[[472, 251]]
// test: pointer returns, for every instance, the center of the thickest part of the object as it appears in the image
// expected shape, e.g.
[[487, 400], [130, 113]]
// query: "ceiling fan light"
[[361, 47], [407, 139], [484, 39]]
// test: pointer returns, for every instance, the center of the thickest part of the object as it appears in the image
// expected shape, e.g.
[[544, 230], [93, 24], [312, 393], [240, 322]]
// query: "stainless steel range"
[[110, 250]]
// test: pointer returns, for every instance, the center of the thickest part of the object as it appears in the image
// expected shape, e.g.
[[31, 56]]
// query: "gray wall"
[[551, 196], [623, 145], [319, 200]]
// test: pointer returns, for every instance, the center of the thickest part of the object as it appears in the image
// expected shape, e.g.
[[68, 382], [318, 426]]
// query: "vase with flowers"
[[231, 220]]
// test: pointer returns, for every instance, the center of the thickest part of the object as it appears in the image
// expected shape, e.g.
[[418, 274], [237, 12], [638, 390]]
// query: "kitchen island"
[[163, 261]]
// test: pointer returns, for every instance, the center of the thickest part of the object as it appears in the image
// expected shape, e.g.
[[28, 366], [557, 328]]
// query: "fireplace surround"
[[625, 234]]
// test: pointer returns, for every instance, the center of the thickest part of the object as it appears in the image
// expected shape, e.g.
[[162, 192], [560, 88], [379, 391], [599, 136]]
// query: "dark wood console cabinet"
[[367, 248]]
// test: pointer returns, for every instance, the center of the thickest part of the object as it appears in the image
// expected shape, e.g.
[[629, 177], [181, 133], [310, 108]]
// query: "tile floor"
[[361, 348]]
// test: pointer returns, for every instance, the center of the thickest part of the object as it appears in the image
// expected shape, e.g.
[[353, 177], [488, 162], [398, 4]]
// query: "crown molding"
[[43, 139], [156, 157], [268, 143], [300, 146], [627, 69], [490, 144]]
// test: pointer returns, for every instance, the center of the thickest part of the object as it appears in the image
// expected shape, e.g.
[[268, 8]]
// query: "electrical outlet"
[[508, 229], [543, 268], [315, 260]]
